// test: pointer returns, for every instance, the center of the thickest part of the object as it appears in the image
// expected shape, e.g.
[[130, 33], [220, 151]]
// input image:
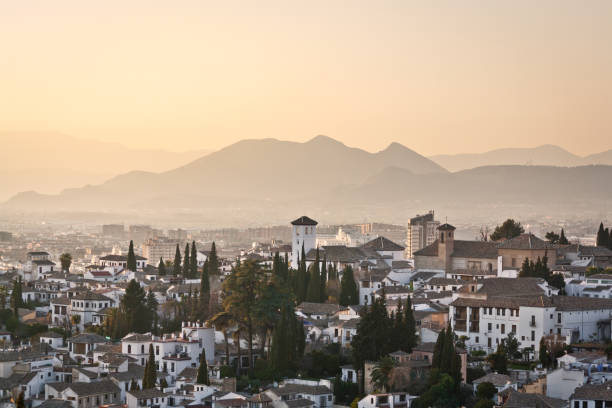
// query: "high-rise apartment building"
[[422, 231]]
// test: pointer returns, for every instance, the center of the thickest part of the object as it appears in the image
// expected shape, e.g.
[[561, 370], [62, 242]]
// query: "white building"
[[388, 400], [304, 235], [487, 311], [87, 305]]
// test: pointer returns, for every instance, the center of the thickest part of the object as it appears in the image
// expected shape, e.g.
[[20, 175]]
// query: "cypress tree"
[[150, 372], [323, 289], [131, 258], [562, 239], [301, 278], [16, 296], [186, 264], [607, 238], [282, 337], [314, 283], [161, 267], [213, 260], [410, 327], [349, 293], [204, 291], [436, 361], [193, 259], [203, 370], [601, 239], [176, 267], [134, 385]]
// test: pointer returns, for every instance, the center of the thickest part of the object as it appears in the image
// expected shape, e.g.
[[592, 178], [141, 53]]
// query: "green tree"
[[131, 258], [511, 346], [381, 374], [442, 394], [65, 261], [373, 339], [562, 239], [499, 360], [349, 292], [213, 260], [509, 229], [484, 403], [16, 296], [552, 237], [313, 293], [150, 372], [301, 284], [485, 390], [241, 290], [602, 236], [193, 259], [544, 355], [203, 370], [323, 290], [176, 267], [409, 340], [204, 292], [186, 263], [286, 341], [134, 385], [133, 306], [152, 305], [223, 321], [161, 267]]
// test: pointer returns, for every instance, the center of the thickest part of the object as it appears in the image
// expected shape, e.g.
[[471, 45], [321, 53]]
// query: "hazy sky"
[[439, 77]]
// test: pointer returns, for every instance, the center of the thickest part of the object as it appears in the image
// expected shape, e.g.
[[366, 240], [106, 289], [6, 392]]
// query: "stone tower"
[[304, 233]]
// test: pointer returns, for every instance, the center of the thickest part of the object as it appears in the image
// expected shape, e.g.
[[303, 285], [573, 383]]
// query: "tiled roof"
[[318, 308], [594, 392], [289, 389], [525, 241], [445, 281], [304, 220], [147, 394], [91, 296], [517, 399], [300, 402], [383, 244], [494, 378], [338, 253], [83, 389], [87, 338], [463, 249], [121, 258], [137, 337], [446, 227]]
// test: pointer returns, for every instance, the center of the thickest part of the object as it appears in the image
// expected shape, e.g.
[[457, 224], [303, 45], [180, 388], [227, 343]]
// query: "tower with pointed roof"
[[446, 242], [304, 233]]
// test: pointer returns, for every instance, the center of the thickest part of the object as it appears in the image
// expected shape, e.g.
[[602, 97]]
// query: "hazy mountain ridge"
[[52, 162], [259, 179], [545, 155]]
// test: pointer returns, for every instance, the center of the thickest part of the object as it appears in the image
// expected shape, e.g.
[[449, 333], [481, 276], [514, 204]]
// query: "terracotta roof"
[[304, 220], [463, 249], [525, 241], [517, 399], [383, 244], [83, 389], [446, 227]]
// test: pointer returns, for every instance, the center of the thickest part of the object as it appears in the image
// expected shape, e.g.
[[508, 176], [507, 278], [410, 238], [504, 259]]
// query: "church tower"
[[304, 233], [446, 244]]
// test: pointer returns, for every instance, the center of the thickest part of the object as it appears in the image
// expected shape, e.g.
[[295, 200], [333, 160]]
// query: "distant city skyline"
[[440, 78]]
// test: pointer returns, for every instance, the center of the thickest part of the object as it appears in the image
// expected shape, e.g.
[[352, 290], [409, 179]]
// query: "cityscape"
[[280, 204]]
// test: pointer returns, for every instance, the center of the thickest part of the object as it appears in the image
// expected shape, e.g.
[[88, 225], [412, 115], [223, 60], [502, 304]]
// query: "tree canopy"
[[509, 229]]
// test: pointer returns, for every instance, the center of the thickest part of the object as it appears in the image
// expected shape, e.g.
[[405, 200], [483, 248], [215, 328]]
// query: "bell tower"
[[304, 233], [446, 243]]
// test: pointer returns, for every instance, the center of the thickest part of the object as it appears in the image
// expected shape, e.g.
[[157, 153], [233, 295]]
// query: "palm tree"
[[381, 374], [223, 321]]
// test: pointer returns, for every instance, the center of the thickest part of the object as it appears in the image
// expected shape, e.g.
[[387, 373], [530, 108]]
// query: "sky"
[[439, 77]]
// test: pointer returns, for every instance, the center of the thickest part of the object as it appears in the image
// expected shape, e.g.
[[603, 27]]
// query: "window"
[[514, 328], [497, 310], [489, 327], [513, 262], [489, 342], [503, 312], [558, 317], [532, 335], [503, 329], [477, 339], [142, 349], [129, 348], [491, 311], [157, 350]]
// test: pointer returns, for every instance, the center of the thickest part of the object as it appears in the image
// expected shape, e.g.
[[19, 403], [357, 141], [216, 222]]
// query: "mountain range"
[[51, 162], [268, 180], [545, 155]]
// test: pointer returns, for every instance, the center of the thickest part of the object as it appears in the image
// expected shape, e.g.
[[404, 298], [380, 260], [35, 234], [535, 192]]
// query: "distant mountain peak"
[[322, 139], [395, 147]]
